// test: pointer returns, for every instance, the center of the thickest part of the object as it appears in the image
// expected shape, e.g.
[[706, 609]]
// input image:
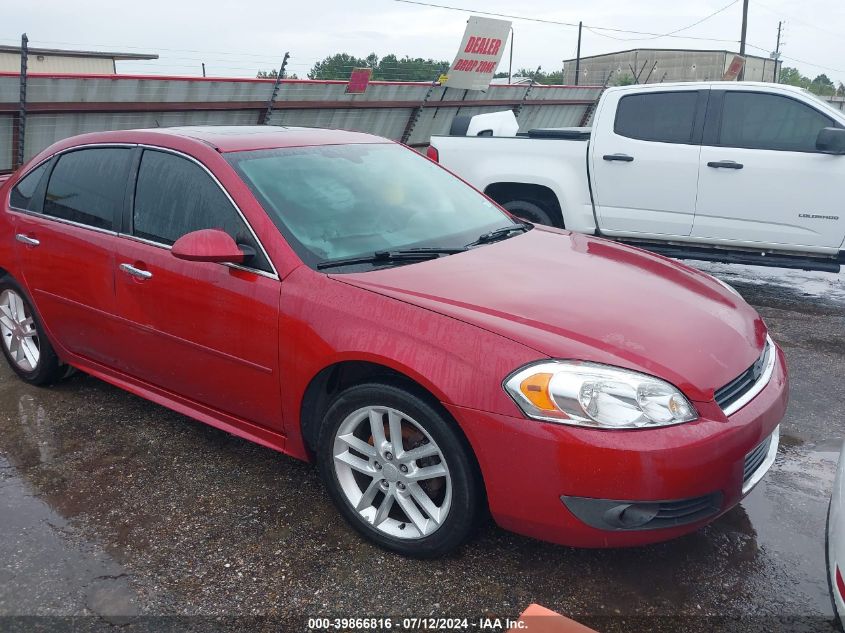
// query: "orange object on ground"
[[537, 619]]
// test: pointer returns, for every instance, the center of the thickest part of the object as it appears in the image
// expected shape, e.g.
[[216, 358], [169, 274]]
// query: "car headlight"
[[598, 396]]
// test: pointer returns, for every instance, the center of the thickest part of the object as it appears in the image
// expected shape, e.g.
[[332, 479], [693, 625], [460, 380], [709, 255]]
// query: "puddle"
[[44, 572], [803, 283]]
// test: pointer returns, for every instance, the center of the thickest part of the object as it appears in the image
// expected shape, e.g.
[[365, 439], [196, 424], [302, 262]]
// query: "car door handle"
[[624, 158], [138, 273], [725, 164], [26, 239]]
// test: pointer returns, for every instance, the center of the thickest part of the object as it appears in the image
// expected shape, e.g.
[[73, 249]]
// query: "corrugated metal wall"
[[62, 106]]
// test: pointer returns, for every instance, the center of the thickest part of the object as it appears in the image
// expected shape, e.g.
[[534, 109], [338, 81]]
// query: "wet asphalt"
[[116, 513]]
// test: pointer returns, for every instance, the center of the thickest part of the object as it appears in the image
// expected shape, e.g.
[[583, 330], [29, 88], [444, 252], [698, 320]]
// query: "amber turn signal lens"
[[536, 389]]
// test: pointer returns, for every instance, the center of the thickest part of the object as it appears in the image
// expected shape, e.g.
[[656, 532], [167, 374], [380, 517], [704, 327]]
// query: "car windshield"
[[344, 201]]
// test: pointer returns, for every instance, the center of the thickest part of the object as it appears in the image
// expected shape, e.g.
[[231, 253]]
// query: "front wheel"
[[25, 344], [398, 471]]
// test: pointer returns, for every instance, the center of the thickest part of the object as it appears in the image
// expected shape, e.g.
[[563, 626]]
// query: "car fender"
[[324, 321]]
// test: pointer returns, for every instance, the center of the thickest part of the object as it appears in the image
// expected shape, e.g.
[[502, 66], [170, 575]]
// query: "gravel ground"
[[117, 512]]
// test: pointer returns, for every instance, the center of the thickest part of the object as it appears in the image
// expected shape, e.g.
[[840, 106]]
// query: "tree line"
[[822, 85], [393, 68]]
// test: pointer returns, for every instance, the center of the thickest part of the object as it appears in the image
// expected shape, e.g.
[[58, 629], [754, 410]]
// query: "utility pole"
[[578, 54], [742, 36], [776, 55], [510, 63]]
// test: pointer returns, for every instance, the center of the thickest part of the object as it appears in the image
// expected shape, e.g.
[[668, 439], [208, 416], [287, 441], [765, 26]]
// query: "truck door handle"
[[620, 157], [725, 164], [138, 273], [25, 239]]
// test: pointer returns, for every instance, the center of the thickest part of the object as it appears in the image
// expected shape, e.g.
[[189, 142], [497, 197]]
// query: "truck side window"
[[756, 120], [662, 117], [175, 196]]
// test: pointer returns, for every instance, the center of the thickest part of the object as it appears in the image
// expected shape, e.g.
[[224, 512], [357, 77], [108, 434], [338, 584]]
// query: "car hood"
[[573, 296]]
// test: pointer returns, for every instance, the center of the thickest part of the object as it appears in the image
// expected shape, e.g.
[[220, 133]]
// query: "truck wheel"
[[529, 211]]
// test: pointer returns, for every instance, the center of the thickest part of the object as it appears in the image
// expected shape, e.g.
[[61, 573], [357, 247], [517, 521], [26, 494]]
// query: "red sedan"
[[340, 298]]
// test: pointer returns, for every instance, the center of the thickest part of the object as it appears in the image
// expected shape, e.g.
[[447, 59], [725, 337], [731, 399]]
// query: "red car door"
[[65, 247], [204, 331]]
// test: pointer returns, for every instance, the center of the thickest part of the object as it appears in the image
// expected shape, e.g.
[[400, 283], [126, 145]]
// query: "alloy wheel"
[[392, 472], [17, 327]]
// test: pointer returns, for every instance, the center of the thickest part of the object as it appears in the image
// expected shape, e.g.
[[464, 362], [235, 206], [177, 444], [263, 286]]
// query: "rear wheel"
[[25, 345], [398, 471], [529, 211]]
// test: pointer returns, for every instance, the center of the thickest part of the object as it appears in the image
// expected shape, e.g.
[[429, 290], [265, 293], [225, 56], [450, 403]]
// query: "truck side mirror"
[[831, 140]]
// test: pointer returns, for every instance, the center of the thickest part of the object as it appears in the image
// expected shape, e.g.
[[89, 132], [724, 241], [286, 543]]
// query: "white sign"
[[480, 53]]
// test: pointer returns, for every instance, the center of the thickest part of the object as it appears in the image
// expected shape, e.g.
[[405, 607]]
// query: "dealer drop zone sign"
[[479, 54]]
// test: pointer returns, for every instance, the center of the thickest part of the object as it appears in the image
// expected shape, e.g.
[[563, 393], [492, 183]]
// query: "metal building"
[[49, 60], [654, 65]]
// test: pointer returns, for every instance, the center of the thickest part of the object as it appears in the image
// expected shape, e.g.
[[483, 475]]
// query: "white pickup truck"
[[736, 172]]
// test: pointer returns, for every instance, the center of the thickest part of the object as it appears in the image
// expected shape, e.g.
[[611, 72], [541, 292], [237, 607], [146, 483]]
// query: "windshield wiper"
[[499, 234], [405, 254]]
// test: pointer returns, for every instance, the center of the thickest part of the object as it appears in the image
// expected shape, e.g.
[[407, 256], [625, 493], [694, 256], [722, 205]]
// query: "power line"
[[569, 24], [670, 33], [595, 29], [798, 20]]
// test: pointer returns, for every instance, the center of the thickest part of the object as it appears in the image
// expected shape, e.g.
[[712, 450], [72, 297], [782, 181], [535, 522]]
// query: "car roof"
[[234, 138], [226, 138]]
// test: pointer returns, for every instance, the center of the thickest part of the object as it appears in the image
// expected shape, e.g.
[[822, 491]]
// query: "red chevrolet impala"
[[338, 297]]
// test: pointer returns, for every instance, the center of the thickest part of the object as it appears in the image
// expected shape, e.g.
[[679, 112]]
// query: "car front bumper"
[[532, 470]]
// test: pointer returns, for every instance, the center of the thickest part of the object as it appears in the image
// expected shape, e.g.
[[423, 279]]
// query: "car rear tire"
[[25, 344], [418, 495], [529, 211]]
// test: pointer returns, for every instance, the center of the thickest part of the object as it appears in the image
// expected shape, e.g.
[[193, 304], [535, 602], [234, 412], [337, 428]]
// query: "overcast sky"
[[236, 38]]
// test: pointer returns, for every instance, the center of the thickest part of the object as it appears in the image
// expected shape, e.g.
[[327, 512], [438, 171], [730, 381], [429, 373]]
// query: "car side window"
[[175, 196], [87, 186], [23, 194], [662, 117], [764, 121]]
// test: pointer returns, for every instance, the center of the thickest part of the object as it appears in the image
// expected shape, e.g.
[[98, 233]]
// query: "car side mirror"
[[831, 140], [208, 245]]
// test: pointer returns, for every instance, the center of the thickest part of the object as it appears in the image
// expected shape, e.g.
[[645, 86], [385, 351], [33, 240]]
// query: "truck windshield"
[[344, 201]]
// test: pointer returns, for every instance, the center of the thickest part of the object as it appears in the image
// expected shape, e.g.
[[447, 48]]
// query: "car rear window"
[[663, 117], [23, 193], [87, 186]]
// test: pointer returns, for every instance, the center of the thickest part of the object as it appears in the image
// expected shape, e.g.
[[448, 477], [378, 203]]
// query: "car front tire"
[[25, 344], [398, 470]]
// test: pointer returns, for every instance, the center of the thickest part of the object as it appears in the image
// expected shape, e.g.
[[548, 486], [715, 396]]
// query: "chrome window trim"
[[169, 247], [763, 468], [53, 218], [274, 274], [761, 383]]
